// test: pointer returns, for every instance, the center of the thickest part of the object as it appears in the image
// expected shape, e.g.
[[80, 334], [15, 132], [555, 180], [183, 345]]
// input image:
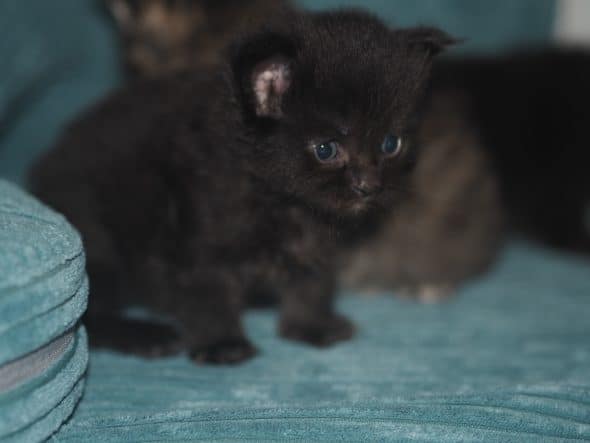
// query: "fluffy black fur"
[[196, 191]]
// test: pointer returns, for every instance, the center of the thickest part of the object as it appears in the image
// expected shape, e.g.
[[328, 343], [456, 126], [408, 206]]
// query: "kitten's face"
[[345, 166], [331, 105]]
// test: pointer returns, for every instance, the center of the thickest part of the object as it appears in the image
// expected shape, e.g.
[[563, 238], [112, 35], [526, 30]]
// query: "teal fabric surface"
[[43, 293], [507, 360]]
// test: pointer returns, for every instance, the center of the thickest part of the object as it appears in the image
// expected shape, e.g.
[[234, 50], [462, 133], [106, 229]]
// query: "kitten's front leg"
[[208, 303], [307, 312]]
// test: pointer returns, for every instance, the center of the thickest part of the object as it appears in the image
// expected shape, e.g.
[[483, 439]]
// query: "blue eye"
[[391, 145], [326, 151]]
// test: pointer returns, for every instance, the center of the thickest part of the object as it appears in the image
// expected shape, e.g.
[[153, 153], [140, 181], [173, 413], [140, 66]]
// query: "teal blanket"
[[507, 360]]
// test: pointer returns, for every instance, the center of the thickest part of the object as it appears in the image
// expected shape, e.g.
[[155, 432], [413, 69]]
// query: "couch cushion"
[[43, 293], [57, 57]]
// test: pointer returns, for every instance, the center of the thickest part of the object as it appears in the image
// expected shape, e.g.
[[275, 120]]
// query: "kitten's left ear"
[[430, 40], [262, 66]]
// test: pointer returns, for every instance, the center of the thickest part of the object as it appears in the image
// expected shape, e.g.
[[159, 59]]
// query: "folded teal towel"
[[43, 293], [506, 361]]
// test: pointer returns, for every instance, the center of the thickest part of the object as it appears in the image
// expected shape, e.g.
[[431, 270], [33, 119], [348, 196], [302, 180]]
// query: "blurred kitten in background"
[[531, 111], [163, 36], [518, 119], [451, 228]]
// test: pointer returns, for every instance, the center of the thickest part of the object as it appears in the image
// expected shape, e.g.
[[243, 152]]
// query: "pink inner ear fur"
[[270, 79]]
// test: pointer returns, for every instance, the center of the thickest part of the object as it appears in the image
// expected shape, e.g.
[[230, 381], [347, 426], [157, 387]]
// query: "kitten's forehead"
[[355, 63], [346, 63]]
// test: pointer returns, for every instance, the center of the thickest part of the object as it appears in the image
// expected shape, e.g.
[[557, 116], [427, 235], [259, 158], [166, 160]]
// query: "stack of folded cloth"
[[43, 293]]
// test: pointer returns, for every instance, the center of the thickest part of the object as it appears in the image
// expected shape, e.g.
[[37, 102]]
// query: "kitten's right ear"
[[262, 67], [427, 39]]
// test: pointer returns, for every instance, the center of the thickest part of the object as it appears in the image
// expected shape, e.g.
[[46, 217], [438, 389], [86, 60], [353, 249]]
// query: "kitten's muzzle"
[[365, 183]]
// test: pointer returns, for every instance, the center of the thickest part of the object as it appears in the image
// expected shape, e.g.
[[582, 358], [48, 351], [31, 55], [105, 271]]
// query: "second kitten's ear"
[[263, 67], [430, 40], [122, 11]]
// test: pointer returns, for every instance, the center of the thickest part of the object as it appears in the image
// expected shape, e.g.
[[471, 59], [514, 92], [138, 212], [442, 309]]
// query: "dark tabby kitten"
[[532, 115], [162, 36], [527, 112], [194, 192], [451, 227]]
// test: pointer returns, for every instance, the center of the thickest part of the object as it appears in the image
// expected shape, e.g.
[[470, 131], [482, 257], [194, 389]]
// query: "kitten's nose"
[[365, 186]]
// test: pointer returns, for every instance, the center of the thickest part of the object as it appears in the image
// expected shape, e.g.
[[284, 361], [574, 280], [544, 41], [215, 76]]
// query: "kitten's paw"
[[325, 333], [137, 337], [226, 352], [429, 293], [161, 350]]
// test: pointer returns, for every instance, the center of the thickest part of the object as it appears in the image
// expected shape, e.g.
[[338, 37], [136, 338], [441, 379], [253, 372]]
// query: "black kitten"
[[193, 192], [448, 231]]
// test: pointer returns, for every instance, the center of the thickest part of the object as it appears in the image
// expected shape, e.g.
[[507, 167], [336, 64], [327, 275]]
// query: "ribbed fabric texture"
[[41, 269], [507, 361], [43, 293], [37, 408]]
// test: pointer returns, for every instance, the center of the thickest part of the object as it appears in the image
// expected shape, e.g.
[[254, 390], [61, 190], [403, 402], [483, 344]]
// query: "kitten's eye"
[[391, 145], [326, 151]]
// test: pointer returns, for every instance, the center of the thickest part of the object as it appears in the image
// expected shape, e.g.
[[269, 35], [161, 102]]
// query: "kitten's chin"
[[359, 207], [348, 208]]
